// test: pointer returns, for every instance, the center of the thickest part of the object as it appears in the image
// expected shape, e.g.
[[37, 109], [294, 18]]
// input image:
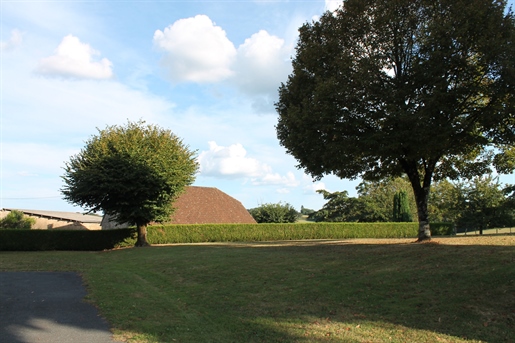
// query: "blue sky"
[[207, 70]]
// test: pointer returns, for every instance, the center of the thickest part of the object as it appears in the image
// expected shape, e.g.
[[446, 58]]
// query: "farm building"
[[202, 205], [59, 220]]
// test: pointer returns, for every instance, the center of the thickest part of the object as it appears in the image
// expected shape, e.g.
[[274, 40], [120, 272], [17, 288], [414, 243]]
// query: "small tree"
[[132, 173], [17, 220], [401, 209], [274, 213]]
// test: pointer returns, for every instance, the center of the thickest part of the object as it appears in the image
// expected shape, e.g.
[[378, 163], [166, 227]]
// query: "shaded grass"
[[316, 293]]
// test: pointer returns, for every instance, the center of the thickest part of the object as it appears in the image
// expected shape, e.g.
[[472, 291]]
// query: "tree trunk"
[[424, 231], [142, 236], [421, 190]]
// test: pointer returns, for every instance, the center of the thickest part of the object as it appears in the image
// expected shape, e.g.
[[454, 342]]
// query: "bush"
[[17, 220], [274, 213], [83, 240], [442, 229]]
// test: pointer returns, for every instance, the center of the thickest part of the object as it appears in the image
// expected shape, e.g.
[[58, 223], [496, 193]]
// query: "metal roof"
[[69, 216]]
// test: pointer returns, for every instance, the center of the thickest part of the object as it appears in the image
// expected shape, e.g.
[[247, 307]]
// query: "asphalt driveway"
[[47, 307]]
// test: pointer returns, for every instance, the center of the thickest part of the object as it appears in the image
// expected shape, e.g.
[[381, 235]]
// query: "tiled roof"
[[207, 205], [69, 216]]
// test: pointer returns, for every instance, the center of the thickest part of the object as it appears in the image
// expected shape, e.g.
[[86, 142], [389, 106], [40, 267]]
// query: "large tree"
[[132, 173], [423, 88]]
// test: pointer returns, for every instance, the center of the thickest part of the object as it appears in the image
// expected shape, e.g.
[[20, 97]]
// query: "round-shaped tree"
[[132, 173]]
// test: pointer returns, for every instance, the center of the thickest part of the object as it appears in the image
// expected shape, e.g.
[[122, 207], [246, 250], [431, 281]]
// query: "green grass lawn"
[[305, 293]]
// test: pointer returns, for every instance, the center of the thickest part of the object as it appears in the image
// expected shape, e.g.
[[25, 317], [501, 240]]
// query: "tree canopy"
[[132, 173], [408, 87], [274, 213]]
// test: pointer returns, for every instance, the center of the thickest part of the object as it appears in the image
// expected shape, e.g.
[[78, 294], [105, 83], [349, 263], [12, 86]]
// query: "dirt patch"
[[453, 240]]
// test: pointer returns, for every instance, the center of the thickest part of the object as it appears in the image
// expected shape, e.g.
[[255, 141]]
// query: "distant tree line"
[[480, 203]]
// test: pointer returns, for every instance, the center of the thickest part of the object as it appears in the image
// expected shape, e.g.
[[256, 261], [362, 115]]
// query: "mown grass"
[[307, 293]]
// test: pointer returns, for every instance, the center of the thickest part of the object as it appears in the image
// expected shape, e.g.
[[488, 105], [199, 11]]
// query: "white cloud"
[[262, 63], [313, 187], [288, 180], [332, 5], [196, 50], [14, 41], [232, 162], [74, 59]]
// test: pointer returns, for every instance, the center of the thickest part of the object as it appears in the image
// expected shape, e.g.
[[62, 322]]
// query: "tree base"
[[423, 239], [142, 245]]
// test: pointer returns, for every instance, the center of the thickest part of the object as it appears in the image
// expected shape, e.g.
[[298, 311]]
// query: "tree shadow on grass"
[[355, 293], [316, 292]]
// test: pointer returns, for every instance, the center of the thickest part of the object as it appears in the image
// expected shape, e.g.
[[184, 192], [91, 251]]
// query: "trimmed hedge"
[[165, 234], [83, 240]]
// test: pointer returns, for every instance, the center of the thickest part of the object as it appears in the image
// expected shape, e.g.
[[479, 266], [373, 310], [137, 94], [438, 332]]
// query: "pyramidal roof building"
[[202, 205]]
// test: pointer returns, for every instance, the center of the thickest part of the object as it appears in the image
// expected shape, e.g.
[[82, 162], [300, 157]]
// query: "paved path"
[[46, 307]]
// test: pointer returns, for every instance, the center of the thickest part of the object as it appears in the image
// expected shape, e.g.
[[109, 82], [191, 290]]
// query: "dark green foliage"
[[274, 213], [373, 204], [132, 173], [83, 240], [442, 229], [338, 208], [419, 88], [401, 210], [16, 220]]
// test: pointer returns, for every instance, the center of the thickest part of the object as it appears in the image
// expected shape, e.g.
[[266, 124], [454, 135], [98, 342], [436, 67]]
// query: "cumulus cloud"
[[332, 5], [232, 162], [262, 63], [74, 59], [196, 50], [14, 41], [313, 187]]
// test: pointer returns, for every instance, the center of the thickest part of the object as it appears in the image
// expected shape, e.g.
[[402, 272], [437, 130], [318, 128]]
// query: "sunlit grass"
[[308, 293]]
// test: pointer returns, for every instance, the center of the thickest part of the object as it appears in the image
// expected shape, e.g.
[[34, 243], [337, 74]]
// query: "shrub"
[[17, 220], [274, 213], [442, 229], [83, 240]]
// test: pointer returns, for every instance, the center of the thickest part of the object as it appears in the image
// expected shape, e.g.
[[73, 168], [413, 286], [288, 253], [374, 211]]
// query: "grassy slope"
[[313, 293]]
